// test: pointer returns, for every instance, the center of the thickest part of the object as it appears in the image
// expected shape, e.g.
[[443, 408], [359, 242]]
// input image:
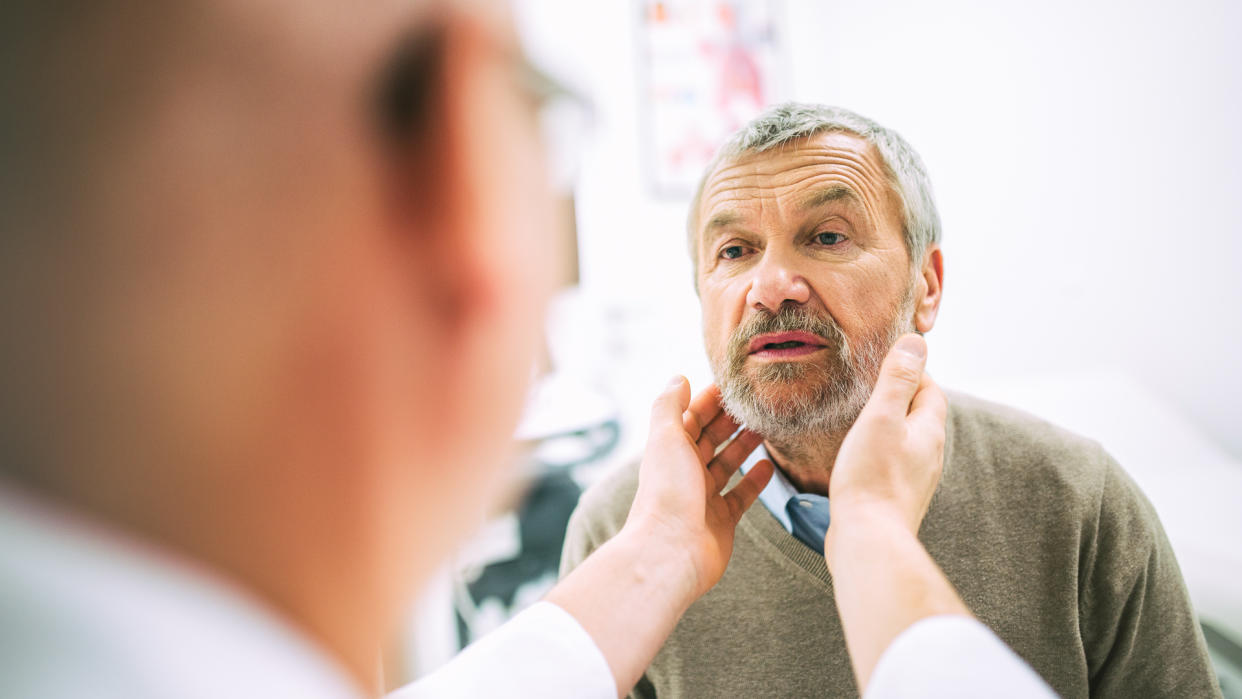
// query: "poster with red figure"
[[709, 67]]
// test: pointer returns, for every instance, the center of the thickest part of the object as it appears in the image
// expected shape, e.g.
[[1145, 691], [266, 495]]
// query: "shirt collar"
[[778, 491]]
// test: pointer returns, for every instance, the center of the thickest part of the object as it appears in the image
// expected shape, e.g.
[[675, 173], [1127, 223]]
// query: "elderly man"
[[815, 240]]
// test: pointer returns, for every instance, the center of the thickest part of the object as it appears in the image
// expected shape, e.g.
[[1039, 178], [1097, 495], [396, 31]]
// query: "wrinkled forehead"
[[837, 161]]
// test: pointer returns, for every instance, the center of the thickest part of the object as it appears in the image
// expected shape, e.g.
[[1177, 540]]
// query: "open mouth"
[[786, 344]]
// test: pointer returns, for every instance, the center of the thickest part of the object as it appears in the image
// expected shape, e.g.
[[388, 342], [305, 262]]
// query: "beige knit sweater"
[[1045, 537]]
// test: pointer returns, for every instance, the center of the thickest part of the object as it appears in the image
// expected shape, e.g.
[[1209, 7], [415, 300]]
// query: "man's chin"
[[785, 401], [792, 408], [799, 389]]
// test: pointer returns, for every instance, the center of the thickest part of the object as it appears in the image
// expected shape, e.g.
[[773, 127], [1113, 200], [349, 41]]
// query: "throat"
[[807, 461]]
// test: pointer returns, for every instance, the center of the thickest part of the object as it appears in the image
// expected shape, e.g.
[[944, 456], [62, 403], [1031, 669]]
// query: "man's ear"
[[928, 290], [435, 182]]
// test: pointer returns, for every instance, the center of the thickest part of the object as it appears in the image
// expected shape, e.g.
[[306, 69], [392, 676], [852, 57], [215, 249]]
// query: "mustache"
[[786, 319]]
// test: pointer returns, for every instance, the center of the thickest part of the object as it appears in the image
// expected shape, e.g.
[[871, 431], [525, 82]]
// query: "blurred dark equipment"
[[542, 518]]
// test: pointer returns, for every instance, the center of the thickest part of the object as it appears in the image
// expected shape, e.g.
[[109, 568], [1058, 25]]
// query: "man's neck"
[[807, 463]]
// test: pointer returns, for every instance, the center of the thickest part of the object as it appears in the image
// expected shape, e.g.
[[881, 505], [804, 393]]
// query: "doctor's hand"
[[676, 542], [886, 472], [892, 458], [679, 507]]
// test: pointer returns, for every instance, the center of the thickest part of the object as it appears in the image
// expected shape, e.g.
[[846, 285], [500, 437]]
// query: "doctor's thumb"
[[900, 375]]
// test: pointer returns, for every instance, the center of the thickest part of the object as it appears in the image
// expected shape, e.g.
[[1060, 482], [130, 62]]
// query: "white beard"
[[787, 402]]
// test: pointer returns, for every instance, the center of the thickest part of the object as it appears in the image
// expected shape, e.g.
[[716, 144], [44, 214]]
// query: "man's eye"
[[829, 238], [732, 252]]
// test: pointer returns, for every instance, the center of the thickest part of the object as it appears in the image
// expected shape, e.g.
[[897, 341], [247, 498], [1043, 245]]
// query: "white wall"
[[1088, 165]]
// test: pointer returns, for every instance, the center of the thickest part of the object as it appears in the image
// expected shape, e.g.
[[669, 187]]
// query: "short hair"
[[792, 121]]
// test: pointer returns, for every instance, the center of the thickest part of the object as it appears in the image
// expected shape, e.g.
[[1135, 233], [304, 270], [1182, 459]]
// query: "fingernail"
[[675, 381], [913, 344]]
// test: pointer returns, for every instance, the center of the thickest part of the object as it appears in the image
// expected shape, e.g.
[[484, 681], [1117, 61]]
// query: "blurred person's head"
[[815, 242], [272, 275]]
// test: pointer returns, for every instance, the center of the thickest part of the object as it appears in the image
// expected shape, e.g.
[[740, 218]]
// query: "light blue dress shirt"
[[804, 515]]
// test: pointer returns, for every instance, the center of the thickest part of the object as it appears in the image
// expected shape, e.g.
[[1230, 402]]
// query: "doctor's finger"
[[668, 407], [732, 457], [930, 403], [747, 491], [900, 376], [702, 410], [715, 434]]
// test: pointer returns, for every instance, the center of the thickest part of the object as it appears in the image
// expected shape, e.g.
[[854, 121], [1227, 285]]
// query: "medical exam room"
[[1084, 157], [339, 343]]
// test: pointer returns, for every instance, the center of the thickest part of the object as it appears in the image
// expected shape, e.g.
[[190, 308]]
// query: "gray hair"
[[792, 121]]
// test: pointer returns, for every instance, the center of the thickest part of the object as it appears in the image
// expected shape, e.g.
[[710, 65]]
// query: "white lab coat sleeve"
[[953, 656], [541, 652]]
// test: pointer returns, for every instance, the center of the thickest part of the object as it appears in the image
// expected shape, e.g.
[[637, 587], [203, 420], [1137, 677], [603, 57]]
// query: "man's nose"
[[777, 282]]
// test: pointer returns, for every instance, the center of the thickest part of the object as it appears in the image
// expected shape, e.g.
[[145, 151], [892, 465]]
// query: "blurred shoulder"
[[604, 506]]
